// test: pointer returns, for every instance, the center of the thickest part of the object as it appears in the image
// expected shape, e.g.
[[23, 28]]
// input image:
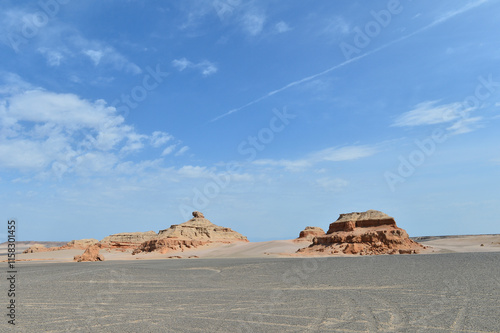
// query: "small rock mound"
[[366, 233], [36, 248], [196, 232], [90, 254], [310, 232]]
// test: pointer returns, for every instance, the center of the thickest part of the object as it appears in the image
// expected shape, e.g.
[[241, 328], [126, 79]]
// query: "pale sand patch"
[[472, 243]]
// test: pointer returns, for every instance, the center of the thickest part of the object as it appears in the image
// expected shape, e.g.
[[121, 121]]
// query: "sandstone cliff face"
[[366, 233], [90, 254], [127, 240], [310, 232], [196, 232], [168, 244]]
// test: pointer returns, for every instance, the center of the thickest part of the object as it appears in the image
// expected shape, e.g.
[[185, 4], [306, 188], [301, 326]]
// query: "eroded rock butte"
[[365, 233], [194, 233]]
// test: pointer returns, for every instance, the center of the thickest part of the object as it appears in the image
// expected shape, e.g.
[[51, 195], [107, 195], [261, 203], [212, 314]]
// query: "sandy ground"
[[269, 249], [473, 243], [435, 293]]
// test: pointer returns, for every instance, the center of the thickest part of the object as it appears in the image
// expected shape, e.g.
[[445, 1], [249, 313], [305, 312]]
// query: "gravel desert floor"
[[450, 292]]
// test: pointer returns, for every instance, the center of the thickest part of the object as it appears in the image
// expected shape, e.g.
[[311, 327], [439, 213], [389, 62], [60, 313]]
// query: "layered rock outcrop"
[[90, 254], [310, 232], [127, 240], [366, 233], [196, 232]]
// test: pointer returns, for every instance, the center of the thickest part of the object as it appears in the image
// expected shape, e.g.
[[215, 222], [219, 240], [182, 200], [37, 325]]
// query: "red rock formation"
[[366, 233], [310, 232], [126, 240], [90, 254], [167, 245], [196, 232]]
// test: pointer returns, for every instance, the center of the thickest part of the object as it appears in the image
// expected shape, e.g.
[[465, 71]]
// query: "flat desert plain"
[[262, 287]]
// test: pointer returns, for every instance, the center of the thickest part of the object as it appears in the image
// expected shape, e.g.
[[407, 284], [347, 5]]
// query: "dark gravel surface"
[[458, 292]]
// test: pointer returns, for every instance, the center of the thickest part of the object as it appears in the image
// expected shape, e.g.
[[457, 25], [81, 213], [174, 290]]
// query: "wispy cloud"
[[182, 151], [205, 67], [253, 22], [282, 27], [53, 57], [333, 154], [336, 25], [59, 42], [108, 56], [439, 20], [429, 113]]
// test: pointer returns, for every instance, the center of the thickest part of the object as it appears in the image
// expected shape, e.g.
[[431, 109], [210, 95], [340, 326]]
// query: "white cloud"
[[337, 25], [168, 150], [281, 27], [181, 64], [466, 125], [428, 113], [159, 138], [53, 57], [51, 132], [205, 67], [190, 171], [182, 151], [347, 153], [107, 56], [253, 23], [94, 55]]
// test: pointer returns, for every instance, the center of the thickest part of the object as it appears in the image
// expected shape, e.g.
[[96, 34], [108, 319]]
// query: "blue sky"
[[268, 116]]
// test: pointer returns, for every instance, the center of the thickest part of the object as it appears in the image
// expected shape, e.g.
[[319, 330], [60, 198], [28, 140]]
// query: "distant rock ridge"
[[365, 233], [80, 244]]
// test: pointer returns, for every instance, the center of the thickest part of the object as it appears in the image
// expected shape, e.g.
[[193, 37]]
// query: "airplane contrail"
[[438, 21]]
